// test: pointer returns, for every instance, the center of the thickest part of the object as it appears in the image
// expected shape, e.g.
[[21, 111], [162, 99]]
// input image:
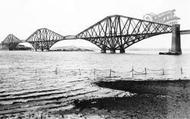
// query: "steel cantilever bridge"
[[11, 42], [112, 33], [44, 38], [119, 32]]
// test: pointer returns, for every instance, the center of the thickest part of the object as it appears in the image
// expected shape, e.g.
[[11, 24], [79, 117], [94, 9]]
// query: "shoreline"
[[156, 87], [162, 99]]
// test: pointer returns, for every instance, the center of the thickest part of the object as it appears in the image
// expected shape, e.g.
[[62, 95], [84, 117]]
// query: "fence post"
[[56, 72], [110, 73], [163, 72], [181, 70], [94, 72], [132, 71], [79, 72], [145, 71]]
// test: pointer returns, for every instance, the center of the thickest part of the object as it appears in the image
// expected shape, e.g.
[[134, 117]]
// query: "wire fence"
[[135, 73]]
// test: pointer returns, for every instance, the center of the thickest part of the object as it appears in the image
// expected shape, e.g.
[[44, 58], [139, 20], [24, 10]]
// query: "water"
[[31, 81]]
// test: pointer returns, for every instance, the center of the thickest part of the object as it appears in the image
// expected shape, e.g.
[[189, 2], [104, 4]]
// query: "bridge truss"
[[11, 42], [119, 32], [112, 33], [44, 38]]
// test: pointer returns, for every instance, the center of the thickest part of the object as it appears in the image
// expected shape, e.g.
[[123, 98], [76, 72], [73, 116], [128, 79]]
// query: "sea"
[[47, 81]]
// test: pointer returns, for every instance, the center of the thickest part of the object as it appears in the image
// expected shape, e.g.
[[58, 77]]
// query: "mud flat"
[[150, 99], [156, 87]]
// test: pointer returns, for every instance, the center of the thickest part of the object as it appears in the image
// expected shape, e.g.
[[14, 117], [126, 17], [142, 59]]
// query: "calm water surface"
[[51, 80]]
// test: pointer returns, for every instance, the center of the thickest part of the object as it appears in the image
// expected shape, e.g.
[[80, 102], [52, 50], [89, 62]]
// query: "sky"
[[69, 17]]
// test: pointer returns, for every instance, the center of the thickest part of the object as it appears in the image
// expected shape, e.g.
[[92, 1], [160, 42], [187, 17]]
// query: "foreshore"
[[155, 87], [160, 99], [147, 99]]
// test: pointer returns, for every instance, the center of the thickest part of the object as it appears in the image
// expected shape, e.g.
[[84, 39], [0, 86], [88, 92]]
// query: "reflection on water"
[[52, 80]]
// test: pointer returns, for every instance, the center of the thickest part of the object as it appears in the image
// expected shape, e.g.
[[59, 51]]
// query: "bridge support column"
[[112, 50], [122, 50], [34, 46], [176, 40], [103, 49], [42, 49], [47, 48]]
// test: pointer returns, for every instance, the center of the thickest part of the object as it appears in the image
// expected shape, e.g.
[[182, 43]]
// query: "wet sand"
[[158, 99], [154, 87], [161, 99]]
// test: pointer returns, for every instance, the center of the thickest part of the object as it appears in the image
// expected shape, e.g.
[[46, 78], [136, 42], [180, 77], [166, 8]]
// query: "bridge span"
[[10, 42], [120, 32], [184, 32], [112, 33]]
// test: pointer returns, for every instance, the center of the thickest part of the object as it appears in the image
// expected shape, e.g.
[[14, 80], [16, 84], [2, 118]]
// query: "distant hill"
[[18, 47], [71, 48], [146, 49]]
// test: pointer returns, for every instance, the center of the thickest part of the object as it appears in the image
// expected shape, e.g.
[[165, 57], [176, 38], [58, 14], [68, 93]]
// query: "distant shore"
[[77, 49]]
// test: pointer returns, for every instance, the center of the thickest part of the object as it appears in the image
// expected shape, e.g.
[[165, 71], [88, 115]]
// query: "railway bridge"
[[10, 42], [112, 33]]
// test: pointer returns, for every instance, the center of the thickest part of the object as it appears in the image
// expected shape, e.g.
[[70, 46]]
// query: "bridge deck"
[[183, 32]]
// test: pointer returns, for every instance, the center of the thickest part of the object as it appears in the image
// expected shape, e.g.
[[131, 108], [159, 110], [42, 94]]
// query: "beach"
[[172, 103], [169, 101], [37, 85]]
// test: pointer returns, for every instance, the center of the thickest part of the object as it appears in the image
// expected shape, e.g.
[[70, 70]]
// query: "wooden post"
[[181, 70], [56, 72], [79, 72], [145, 71], [110, 73], [94, 72], [132, 71], [163, 72]]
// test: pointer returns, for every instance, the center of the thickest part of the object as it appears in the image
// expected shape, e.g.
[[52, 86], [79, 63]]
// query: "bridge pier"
[[112, 50], [122, 50], [176, 40], [103, 49], [42, 49], [48, 49], [35, 47]]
